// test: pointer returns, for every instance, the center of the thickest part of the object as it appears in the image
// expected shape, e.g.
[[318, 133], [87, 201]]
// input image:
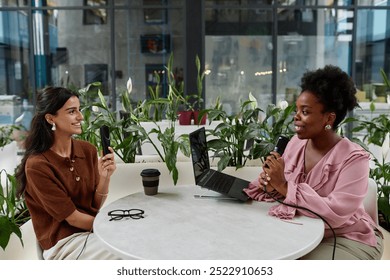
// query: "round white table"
[[176, 225]]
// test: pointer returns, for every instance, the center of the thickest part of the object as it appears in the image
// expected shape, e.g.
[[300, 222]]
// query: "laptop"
[[209, 178]]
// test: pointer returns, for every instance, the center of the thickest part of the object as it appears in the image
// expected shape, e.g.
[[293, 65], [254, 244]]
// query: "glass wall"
[[238, 65], [372, 49], [14, 65], [82, 57], [271, 44], [73, 43], [310, 39], [13, 3], [14, 52], [238, 55], [248, 46], [144, 39]]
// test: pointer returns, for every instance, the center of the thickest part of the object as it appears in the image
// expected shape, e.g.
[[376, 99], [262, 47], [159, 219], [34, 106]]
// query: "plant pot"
[[196, 118], [185, 117]]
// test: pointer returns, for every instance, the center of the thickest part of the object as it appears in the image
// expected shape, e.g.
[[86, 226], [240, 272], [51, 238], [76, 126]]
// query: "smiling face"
[[68, 118], [310, 119]]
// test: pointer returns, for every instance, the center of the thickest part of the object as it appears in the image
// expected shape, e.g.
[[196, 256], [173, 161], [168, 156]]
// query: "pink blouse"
[[334, 189]]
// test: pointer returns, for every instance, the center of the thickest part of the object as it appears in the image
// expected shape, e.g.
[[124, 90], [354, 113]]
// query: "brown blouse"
[[57, 186]]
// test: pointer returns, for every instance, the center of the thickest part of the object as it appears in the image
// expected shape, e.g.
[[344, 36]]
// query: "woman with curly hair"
[[323, 173]]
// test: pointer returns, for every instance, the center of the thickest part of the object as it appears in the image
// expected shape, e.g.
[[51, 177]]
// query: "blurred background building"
[[247, 46]]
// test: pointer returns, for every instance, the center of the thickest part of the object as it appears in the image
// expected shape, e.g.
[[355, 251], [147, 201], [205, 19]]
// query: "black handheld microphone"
[[281, 144], [105, 137]]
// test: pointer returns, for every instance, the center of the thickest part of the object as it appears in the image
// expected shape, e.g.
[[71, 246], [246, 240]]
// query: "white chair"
[[370, 202], [39, 251]]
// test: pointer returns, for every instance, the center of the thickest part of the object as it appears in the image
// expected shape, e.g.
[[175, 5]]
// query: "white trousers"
[[79, 246], [346, 249]]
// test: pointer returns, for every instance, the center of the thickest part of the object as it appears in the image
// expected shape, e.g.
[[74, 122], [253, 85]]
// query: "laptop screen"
[[199, 153]]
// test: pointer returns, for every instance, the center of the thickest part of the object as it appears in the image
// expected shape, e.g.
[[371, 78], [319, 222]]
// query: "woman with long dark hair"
[[62, 179]]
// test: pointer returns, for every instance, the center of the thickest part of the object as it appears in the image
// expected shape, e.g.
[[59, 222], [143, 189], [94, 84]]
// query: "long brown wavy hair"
[[40, 137]]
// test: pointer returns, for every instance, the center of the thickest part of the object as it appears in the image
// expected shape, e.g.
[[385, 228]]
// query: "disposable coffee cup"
[[150, 180]]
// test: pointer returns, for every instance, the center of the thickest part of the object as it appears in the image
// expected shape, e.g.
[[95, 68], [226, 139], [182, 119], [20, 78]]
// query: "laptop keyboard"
[[220, 182]]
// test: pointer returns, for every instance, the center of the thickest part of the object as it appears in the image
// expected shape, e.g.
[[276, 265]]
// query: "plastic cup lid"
[[150, 172]]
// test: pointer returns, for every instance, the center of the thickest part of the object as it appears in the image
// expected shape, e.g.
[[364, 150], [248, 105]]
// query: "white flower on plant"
[[386, 146], [283, 104], [253, 101], [19, 119], [129, 85], [95, 109]]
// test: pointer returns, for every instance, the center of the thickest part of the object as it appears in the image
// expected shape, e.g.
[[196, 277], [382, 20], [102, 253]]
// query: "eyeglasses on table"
[[119, 214]]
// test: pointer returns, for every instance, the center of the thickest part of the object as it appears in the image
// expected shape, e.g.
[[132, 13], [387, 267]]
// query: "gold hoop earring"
[[328, 127], [53, 128]]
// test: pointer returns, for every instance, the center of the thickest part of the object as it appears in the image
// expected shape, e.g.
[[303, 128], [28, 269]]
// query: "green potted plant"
[[372, 133], [375, 133], [197, 98], [171, 143], [127, 133], [153, 111], [154, 108], [191, 104], [277, 122], [124, 140], [13, 210], [381, 174], [176, 86], [243, 136]]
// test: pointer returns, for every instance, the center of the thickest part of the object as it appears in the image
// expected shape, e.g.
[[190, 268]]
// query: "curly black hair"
[[334, 89]]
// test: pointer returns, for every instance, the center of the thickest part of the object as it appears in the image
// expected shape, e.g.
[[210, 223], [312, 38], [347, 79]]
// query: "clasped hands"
[[272, 176]]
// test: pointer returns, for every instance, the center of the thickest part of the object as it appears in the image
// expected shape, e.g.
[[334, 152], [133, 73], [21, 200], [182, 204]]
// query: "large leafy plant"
[[170, 142], [155, 108], [13, 210], [159, 107], [127, 133], [277, 122], [124, 138], [194, 101], [376, 131], [245, 136]]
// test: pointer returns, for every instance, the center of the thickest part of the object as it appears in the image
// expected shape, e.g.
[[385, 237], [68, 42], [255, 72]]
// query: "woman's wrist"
[[282, 188], [101, 194], [101, 191]]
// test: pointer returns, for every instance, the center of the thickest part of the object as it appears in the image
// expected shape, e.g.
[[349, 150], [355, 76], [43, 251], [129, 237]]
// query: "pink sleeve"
[[337, 197], [255, 191]]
